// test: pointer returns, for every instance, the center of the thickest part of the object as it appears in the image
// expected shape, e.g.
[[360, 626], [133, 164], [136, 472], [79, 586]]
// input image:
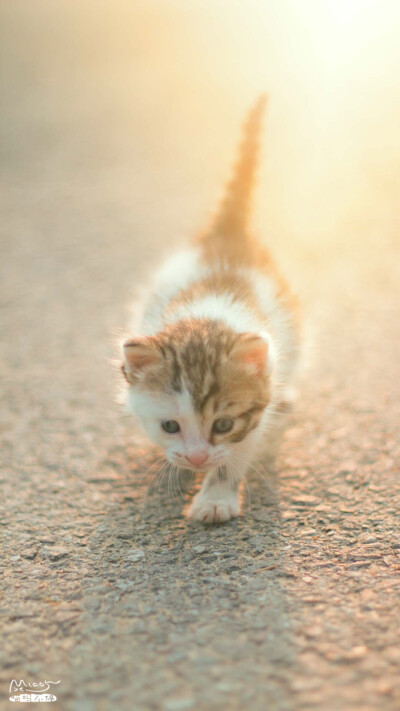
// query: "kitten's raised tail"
[[232, 216]]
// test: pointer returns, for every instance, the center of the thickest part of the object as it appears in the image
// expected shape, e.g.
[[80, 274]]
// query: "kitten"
[[216, 349]]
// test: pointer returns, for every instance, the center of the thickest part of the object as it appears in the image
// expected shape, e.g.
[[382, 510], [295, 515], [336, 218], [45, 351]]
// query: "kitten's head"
[[199, 389]]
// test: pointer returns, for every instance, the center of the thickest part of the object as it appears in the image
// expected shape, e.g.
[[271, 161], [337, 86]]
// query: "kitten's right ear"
[[139, 353]]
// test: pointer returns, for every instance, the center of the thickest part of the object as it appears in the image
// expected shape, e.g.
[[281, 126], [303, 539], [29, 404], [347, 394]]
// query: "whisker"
[[161, 477], [168, 485], [253, 466], [155, 476], [242, 478], [178, 473]]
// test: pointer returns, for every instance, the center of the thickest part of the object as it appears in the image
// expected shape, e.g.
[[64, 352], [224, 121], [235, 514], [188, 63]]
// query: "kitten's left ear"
[[139, 353], [255, 352]]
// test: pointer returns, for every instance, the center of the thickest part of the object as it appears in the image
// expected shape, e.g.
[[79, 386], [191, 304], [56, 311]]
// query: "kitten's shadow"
[[152, 552], [142, 487]]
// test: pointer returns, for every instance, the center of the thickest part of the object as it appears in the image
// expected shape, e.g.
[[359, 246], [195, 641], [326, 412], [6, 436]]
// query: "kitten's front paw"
[[214, 508]]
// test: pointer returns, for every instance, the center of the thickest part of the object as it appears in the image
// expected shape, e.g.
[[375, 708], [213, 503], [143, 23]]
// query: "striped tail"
[[233, 214]]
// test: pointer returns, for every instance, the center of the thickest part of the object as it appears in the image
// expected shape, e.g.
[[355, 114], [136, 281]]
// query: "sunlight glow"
[[341, 60]]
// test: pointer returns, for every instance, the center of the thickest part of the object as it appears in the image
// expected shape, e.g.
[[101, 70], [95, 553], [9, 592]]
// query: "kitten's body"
[[217, 342]]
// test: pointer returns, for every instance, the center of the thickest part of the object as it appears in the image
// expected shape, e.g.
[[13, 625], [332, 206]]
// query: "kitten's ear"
[[139, 353], [254, 352]]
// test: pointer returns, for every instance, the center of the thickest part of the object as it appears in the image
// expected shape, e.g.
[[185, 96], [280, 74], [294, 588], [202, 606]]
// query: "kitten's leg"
[[217, 499]]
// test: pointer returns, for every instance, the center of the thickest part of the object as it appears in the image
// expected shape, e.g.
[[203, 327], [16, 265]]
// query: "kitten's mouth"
[[206, 467], [200, 470]]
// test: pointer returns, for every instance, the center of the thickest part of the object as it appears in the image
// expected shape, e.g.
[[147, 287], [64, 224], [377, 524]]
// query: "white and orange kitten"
[[214, 352]]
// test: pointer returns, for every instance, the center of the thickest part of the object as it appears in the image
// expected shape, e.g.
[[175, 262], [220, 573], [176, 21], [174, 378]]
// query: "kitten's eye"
[[170, 426], [223, 424]]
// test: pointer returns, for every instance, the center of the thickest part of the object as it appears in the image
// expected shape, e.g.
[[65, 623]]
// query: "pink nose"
[[197, 459]]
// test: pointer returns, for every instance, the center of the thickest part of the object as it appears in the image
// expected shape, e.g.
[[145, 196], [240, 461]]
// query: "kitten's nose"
[[197, 458]]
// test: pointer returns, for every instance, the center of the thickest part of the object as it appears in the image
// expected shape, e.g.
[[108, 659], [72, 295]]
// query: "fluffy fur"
[[216, 342]]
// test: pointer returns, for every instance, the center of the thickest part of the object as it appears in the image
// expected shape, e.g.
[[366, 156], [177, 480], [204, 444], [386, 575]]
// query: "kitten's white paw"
[[214, 508]]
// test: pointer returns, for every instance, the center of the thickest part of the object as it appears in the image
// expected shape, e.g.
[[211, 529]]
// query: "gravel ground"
[[105, 585]]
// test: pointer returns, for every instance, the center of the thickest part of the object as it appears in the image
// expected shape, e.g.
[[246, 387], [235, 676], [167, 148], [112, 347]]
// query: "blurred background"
[[145, 94]]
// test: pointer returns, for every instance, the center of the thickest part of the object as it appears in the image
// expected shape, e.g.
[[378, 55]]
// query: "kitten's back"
[[228, 274]]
